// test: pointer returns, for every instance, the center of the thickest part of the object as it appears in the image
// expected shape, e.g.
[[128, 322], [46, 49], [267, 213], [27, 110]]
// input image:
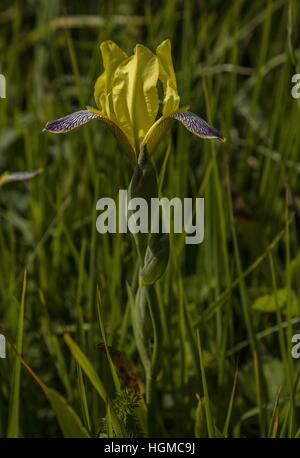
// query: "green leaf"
[[168, 78], [294, 271], [86, 366], [68, 420], [18, 176], [198, 126]]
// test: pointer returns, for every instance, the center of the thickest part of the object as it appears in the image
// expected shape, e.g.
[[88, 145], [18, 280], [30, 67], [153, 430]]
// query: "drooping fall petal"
[[69, 122]]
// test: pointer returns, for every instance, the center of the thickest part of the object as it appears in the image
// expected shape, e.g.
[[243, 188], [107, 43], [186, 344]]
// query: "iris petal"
[[18, 176], [135, 95], [190, 120], [168, 78], [126, 95], [78, 118]]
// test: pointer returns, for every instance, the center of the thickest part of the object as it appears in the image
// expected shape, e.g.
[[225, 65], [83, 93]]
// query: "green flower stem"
[[151, 397]]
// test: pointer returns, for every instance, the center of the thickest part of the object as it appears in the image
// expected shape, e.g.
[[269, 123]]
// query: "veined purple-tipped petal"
[[70, 121], [197, 125], [18, 176]]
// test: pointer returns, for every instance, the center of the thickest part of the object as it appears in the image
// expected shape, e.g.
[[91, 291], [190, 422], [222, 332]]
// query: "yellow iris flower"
[[18, 176], [127, 100]]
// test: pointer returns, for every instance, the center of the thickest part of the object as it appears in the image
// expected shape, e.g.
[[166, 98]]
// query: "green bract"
[[17, 176], [126, 96]]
